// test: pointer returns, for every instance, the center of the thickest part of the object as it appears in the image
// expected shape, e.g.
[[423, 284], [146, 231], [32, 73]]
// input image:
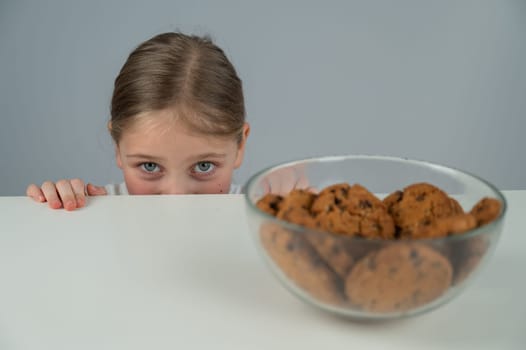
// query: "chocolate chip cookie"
[[296, 258], [398, 277], [352, 210], [417, 207]]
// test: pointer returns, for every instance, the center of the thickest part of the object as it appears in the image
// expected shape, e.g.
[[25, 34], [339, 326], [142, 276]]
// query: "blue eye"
[[150, 167], [204, 167]]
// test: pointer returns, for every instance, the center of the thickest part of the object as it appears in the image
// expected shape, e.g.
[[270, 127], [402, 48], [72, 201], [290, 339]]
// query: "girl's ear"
[[118, 156], [117, 151], [242, 144]]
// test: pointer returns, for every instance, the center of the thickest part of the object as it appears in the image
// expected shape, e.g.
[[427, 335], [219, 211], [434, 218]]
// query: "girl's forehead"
[[162, 131], [159, 122], [154, 121]]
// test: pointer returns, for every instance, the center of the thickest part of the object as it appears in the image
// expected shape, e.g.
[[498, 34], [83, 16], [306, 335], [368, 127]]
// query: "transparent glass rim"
[[338, 158]]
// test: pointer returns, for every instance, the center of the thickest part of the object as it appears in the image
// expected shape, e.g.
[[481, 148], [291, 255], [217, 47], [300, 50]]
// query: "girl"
[[177, 122]]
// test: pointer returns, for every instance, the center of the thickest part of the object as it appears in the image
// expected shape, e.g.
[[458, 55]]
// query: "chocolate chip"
[[371, 263], [421, 197], [393, 270], [416, 295], [274, 205], [436, 265], [364, 204], [415, 258], [317, 262]]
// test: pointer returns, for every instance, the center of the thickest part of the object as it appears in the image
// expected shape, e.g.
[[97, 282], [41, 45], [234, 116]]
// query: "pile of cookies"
[[388, 268]]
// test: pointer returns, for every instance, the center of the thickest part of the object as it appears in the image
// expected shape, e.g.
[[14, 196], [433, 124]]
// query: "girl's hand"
[[67, 194], [284, 180]]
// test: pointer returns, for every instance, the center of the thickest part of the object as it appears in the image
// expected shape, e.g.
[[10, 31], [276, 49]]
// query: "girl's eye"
[[203, 167], [150, 167]]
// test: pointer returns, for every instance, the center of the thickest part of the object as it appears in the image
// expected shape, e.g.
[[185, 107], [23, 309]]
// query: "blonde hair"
[[185, 72]]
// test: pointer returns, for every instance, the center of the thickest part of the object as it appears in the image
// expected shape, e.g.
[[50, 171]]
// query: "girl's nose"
[[176, 187]]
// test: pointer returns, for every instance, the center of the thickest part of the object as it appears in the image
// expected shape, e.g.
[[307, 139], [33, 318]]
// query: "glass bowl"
[[370, 278]]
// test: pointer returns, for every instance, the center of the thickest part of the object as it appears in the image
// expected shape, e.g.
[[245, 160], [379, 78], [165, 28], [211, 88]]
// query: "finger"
[[312, 189], [65, 191], [278, 182], [35, 193], [302, 180], [78, 190], [50, 193], [286, 180], [96, 190], [265, 185]]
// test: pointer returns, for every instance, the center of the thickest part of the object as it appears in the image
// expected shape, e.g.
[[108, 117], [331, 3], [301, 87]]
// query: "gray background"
[[443, 81]]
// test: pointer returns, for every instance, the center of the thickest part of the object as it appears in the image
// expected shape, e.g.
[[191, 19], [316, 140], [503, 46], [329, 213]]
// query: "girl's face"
[[160, 155]]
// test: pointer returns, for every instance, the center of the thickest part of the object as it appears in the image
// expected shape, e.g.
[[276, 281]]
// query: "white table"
[[182, 272]]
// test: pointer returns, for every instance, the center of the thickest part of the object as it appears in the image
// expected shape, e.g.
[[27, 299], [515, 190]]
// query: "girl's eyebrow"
[[209, 155], [206, 156], [144, 156]]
